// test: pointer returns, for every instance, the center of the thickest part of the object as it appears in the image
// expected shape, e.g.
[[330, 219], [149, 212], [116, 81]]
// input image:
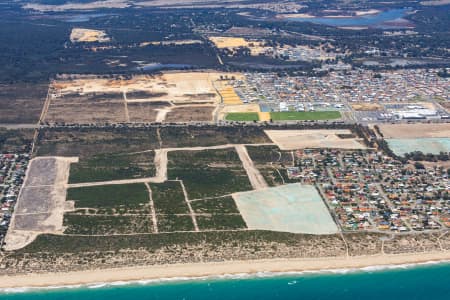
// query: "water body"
[[412, 283], [84, 17], [368, 20], [158, 66], [424, 145]]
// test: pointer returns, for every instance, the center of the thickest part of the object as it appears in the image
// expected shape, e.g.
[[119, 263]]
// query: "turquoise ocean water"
[[411, 283]]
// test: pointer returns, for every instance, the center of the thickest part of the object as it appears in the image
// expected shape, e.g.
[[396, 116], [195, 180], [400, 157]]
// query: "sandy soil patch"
[[170, 86], [41, 203], [144, 112], [191, 113], [301, 139], [88, 35], [366, 106], [415, 130], [223, 42]]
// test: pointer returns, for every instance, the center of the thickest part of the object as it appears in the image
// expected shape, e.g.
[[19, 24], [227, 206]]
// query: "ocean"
[[427, 282]]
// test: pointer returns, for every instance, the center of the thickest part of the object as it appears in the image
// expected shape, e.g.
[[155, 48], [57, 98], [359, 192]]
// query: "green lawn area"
[[305, 115], [242, 116]]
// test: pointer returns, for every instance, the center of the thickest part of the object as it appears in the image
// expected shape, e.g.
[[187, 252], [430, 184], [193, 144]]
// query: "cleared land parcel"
[[290, 208], [300, 139]]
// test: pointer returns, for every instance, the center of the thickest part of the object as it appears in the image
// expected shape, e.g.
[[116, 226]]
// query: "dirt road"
[[256, 179]]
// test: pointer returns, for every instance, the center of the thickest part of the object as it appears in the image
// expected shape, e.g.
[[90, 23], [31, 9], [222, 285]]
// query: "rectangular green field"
[[110, 196], [172, 223], [305, 115], [223, 205], [221, 222], [106, 225], [208, 173], [104, 167], [168, 198], [242, 116]]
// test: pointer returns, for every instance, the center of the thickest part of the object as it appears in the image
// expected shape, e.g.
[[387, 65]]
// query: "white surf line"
[[194, 220], [152, 208], [256, 179]]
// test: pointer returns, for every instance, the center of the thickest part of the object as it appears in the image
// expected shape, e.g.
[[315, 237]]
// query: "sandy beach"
[[213, 269]]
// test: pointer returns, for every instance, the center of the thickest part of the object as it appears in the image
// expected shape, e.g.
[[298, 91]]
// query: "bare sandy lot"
[[42, 201], [142, 98], [170, 86], [144, 111], [88, 35], [300, 139], [203, 113], [256, 46], [366, 106], [416, 130], [85, 109]]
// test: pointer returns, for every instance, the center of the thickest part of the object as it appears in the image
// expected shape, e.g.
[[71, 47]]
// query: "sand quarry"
[[301, 139], [223, 42], [171, 97], [88, 36]]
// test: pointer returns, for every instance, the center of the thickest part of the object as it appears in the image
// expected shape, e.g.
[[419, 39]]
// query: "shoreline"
[[195, 271]]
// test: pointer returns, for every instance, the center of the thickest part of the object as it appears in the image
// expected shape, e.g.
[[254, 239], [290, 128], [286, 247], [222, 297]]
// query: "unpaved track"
[[162, 113], [256, 179], [152, 208], [191, 211]]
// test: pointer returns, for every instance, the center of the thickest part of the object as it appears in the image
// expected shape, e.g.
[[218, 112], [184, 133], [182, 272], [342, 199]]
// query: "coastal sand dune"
[[212, 269]]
